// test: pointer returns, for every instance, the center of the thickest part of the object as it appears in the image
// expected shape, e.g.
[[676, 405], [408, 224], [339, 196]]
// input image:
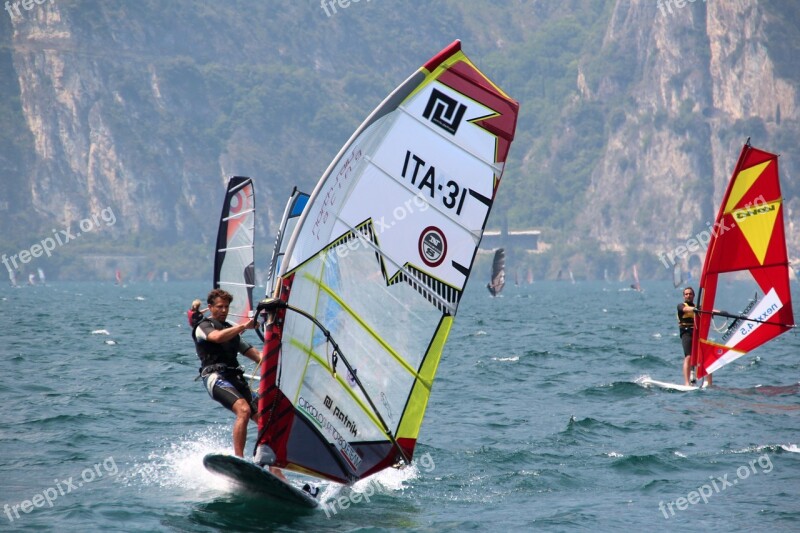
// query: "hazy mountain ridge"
[[631, 116], [699, 96]]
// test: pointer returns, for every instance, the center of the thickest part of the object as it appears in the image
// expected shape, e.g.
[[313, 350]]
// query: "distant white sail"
[[291, 214], [233, 262]]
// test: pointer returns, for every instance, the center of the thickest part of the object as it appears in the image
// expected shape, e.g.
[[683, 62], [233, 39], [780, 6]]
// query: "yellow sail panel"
[[742, 183], [418, 400], [757, 224]]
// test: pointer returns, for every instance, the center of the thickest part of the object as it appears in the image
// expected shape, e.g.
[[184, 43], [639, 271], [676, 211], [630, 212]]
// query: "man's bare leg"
[[242, 411], [686, 371]]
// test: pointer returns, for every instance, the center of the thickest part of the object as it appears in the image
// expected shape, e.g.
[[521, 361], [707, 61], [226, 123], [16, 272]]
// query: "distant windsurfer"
[[195, 314], [686, 327], [218, 343]]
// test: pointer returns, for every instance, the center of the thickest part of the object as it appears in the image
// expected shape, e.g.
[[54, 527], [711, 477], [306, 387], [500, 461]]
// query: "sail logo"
[[432, 246], [732, 328], [763, 317], [744, 213], [701, 240], [347, 451], [452, 194], [444, 111], [343, 418]]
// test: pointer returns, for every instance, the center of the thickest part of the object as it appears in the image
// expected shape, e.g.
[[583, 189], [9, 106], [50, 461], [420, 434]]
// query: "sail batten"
[[745, 277], [233, 248], [238, 215]]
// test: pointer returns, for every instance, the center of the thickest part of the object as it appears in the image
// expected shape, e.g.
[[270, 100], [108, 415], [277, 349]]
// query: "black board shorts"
[[227, 388], [686, 340]]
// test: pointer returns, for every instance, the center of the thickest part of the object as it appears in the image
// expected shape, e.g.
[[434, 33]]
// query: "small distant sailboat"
[[42, 279], [677, 275], [498, 279], [12, 278], [31, 279], [118, 277], [636, 285]]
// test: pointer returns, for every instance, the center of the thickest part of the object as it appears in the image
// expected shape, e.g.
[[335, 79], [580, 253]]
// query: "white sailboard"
[[647, 382]]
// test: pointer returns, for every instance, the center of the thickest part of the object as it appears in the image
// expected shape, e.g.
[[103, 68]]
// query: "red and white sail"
[[233, 260]]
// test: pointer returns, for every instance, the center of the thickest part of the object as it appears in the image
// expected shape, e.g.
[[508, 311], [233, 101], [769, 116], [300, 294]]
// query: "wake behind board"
[[256, 479], [647, 382]]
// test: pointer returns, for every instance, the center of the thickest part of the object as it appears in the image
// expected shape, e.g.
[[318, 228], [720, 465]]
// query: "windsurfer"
[[195, 314], [686, 327], [217, 344]]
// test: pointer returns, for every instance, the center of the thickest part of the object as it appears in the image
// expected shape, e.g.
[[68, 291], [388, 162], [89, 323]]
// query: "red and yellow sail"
[[746, 270]]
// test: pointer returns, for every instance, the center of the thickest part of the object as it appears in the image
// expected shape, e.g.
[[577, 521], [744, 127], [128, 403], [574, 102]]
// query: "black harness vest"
[[215, 353]]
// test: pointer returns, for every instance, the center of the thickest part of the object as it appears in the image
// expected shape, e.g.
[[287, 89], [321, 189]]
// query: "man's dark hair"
[[219, 293]]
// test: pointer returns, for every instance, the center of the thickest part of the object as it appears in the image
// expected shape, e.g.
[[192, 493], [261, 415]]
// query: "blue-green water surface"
[[536, 421]]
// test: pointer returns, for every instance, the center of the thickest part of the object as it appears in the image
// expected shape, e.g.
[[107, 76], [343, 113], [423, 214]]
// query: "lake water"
[[536, 420]]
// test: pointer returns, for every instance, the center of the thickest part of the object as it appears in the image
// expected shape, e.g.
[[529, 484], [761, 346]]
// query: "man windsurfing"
[[217, 343], [686, 311]]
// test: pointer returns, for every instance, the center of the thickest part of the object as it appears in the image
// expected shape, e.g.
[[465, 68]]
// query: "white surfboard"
[[647, 382]]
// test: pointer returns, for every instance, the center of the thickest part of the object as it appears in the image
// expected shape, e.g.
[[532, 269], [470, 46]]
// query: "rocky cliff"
[[145, 108], [704, 80]]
